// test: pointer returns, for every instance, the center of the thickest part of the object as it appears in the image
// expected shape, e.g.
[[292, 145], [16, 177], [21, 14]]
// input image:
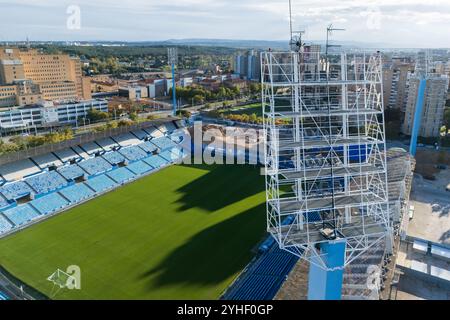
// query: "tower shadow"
[[212, 255], [218, 188]]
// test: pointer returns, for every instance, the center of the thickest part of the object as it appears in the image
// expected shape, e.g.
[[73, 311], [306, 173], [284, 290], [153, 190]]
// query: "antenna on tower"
[[295, 43], [330, 30]]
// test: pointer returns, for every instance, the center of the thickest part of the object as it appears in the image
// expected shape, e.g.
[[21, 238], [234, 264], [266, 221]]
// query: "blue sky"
[[402, 23]]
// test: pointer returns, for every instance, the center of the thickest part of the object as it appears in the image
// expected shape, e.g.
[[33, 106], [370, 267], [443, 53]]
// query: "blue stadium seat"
[[114, 157], [139, 167], [170, 127], [257, 287], [21, 214], [177, 137], [77, 192], [50, 203], [71, 172], [172, 155], [133, 153], [16, 190], [121, 175], [147, 147], [3, 202], [4, 225], [163, 143], [46, 182], [263, 277], [95, 166], [101, 183], [156, 161]]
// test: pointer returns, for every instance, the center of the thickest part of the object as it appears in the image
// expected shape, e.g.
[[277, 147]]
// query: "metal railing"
[[81, 139]]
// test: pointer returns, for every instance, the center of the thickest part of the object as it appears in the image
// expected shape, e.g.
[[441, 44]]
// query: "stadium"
[[138, 223]]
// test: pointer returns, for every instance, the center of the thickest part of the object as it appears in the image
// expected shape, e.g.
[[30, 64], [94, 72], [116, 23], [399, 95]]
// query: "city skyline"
[[407, 23]]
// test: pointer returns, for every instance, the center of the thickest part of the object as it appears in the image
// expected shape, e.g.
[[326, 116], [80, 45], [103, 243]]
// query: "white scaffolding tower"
[[325, 152]]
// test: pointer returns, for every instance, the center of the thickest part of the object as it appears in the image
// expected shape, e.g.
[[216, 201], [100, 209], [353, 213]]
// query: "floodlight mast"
[[172, 60], [326, 178]]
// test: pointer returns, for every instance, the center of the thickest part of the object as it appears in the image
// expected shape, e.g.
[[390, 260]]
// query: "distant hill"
[[237, 44]]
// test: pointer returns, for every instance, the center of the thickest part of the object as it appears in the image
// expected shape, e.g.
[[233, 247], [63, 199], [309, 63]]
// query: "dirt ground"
[[428, 159]]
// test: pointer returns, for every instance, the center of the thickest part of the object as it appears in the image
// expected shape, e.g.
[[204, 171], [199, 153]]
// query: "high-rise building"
[[433, 105], [48, 76], [395, 80], [248, 66]]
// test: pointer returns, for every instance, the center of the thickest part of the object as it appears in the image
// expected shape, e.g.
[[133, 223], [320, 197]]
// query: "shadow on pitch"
[[221, 186], [212, 255]]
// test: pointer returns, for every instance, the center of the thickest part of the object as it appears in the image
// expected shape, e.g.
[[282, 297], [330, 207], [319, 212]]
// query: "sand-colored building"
[[55, 77]]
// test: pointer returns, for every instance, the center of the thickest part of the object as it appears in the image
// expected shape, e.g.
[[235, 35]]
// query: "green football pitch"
[[182, 233]]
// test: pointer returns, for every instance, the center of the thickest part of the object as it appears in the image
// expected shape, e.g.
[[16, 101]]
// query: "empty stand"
[[81, 153], [139, 167], [46, 182], [153, 132], [47, 160], [5, 226], [101, 183], [50, 203], [156, 161], [170, 127], [18, 169], [91, 148], [140, 134], [77, 193], [263, 277], [164, 143], [133, 153], [162, 128], [126, 140], [72, 172], [3, 202], [121, 175], [51, 191], [95, 166], [172, 155], [114, 158], [16, 190], [67, 155], [147, 147], [20, 215], [107, 144]]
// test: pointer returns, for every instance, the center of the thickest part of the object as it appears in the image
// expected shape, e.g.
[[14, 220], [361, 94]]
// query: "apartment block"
[[58, 76], [433, 105]]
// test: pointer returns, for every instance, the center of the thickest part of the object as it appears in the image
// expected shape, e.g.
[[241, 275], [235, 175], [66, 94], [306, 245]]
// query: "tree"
[[255, 88], [198, 99], [133, 116], [95, 115], [447, 118], [112, 125], [184, 113], [124, 123]]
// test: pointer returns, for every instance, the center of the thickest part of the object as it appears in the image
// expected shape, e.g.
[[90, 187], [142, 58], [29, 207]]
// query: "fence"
[[81, 139]]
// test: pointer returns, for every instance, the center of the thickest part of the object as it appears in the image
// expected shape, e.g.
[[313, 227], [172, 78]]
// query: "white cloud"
[[402, 23]]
